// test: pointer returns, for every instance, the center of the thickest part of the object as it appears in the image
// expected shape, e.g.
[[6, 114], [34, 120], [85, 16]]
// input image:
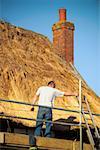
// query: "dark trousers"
[[43, 113]]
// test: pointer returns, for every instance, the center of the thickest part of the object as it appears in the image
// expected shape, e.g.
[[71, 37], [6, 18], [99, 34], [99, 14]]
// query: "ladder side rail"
[[91, 140], [92, 118], [80, 107]]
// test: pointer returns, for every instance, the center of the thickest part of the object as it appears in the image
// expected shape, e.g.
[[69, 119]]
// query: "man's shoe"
[[33, 148]]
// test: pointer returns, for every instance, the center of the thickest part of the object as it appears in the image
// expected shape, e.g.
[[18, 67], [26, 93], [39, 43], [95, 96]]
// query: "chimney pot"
[[62, 14]]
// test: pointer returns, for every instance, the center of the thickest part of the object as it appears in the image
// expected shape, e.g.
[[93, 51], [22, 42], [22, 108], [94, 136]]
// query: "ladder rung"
[[83, 102], [89, 119], [85, 111]]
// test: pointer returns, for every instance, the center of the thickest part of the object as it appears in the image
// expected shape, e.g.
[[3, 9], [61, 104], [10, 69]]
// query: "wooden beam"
[[19, 139], [52, 143], [15, 139], [1, 137], [60, 144]]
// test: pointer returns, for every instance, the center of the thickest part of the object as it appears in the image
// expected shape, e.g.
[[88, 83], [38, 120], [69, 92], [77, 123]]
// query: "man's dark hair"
[[52, 82]]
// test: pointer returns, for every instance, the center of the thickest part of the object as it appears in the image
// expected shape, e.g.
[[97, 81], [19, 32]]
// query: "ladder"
[[86, 109]]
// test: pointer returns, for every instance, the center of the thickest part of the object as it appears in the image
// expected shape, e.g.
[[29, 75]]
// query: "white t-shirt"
[[47, 95]]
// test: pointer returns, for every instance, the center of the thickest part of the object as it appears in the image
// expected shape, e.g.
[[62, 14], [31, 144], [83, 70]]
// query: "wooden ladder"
[[86, 109]]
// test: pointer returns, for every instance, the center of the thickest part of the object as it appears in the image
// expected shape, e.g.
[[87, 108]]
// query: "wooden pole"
[[80, 102]]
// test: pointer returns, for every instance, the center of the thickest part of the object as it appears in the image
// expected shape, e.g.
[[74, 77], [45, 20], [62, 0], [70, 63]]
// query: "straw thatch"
[[27, 61]]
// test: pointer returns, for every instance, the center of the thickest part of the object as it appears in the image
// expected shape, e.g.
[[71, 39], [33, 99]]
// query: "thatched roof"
[[27, 61]]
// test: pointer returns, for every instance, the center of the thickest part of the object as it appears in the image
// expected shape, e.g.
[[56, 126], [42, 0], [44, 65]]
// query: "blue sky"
[[40, 15]]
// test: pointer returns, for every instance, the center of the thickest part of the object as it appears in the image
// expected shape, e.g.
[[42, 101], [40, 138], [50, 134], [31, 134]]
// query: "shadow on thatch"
[[70, 119]]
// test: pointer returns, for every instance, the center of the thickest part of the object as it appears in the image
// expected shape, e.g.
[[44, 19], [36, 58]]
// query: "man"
[[46, 96]]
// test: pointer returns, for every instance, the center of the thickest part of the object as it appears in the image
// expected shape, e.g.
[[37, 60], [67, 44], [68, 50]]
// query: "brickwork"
[[63, 38]]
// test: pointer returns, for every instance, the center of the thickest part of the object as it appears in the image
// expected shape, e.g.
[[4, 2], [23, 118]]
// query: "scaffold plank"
[[21, 140]]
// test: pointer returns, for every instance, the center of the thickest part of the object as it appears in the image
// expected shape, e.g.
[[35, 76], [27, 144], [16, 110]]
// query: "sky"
[[40, 15]]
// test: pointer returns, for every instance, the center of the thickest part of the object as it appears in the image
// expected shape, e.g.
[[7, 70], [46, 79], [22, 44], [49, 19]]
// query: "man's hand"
[[32, 109], [75, 94]]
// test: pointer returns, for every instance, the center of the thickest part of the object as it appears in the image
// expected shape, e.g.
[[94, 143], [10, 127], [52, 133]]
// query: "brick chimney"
[[63, 37]]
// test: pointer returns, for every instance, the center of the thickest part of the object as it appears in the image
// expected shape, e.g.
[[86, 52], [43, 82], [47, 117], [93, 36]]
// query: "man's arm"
[[35, 98], [70, 94], [59, 93], [34, 101]]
